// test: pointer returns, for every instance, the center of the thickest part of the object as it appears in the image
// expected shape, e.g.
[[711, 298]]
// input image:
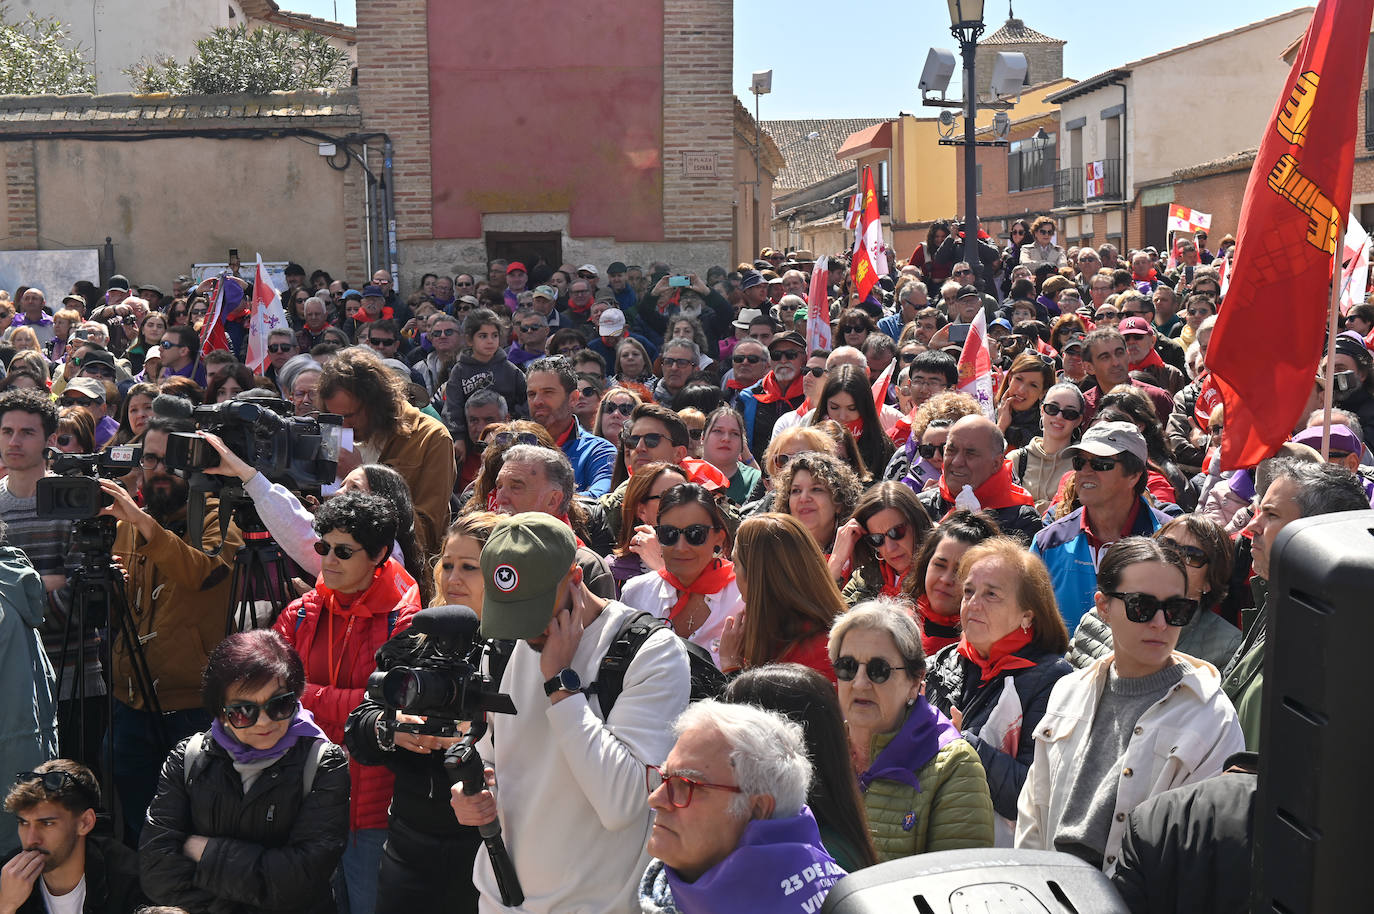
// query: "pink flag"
[[266, 315], [975, 365], [818, 307]]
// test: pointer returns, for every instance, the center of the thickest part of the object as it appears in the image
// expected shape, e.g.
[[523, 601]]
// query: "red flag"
[[212, 335], [1268, 339], [881, 385], [869, 263], [818, 306]]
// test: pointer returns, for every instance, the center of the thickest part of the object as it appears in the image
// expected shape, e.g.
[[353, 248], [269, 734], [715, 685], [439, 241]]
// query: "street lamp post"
[[761, 84], [966, 24]]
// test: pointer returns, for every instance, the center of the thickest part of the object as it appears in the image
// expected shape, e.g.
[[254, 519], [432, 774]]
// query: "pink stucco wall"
[[548, 106]]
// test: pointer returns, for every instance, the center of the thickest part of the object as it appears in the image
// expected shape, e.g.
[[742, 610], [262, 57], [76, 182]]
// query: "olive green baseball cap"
[[523, 562]]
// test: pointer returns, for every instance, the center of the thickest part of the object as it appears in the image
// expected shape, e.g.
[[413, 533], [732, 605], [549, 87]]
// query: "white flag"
[[266, 315]]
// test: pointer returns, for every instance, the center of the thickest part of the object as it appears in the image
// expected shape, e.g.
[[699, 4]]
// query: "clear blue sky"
[[863, 59]]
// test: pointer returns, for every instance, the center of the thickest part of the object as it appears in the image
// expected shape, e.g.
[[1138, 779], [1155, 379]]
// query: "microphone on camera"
[[172, 407], [448, 622]]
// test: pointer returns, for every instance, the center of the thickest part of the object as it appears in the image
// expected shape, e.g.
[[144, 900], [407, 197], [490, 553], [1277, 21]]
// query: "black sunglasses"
[[815, 371], [280, 347], [1193, 556], [696, 534], [909, 357], [879, 670], [1072, 413], [1100, 464], [623, 408], [383, 341], [344, 552], [651, 440], [54, 781], [787, 354], [928, 451], [751, 359], [243, 714], [588, 391], [853, 328], [1141, 607], [876, 539]]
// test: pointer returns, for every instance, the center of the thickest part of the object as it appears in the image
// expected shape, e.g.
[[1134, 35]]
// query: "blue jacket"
[[593, 461], [891, 325], [1073, 568]]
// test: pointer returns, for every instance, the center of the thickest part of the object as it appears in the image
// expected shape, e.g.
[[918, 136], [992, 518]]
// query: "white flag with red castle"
[[852, 212], [1094, 180], [1355, 274], [266, 315], [818, 306], [1183, 219], [869, 261], [975, 365]]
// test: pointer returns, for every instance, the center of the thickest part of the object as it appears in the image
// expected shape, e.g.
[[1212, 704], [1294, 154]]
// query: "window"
[[1030, 166]]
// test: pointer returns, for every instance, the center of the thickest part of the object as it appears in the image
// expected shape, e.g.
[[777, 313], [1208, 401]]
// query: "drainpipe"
[[388, 154], [1125, 157]]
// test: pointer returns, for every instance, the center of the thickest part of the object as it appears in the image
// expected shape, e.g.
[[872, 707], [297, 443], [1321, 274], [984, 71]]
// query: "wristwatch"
[[565, 680]]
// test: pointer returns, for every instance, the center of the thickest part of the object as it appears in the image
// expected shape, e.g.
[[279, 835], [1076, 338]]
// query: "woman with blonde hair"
[[790, 598], [23, 339]]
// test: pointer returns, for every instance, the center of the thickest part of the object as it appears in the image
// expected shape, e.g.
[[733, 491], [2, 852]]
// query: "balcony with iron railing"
[[1071, 187]]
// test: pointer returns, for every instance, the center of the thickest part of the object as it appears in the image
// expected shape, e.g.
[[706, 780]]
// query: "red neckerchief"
[[901, 431], [892, 585], [360, 316], [1152, 360], [806, 406], [1126, 528], [1002, 656], [713, 580], [491, 500], [579, 311], [856, 428], [937, 629], [998, 491], [770, 391], [563, 438], [735, 384], [1152, 277]]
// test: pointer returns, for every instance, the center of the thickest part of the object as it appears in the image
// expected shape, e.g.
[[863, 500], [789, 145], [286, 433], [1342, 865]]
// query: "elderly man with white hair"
[[732, 832]]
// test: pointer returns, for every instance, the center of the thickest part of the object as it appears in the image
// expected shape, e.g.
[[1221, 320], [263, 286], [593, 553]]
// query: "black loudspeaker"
[[987, 879], [1315, 802]]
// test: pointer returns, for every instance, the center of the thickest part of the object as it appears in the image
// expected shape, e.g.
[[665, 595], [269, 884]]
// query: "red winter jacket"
[[382, 610]]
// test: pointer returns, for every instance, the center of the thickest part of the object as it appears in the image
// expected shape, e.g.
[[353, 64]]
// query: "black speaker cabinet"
[[1315, 799], [976, 882]]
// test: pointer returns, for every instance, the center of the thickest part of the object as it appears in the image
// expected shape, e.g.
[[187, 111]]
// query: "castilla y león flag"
[[1267, 344], [869, 263]]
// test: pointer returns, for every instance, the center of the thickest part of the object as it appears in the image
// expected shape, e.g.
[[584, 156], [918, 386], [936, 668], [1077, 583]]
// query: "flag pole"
[[1332, 328]]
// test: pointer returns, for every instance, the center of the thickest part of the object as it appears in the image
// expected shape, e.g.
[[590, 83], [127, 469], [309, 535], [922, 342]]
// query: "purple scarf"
[[302, 725], [925, 732], [778, 866]]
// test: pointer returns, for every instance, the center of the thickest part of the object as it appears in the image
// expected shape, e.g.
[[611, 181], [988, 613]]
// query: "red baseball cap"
[[517, 265], [1134, 326]]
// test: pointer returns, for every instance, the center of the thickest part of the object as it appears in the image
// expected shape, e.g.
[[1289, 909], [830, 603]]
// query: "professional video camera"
[[448, 685], [74, 493], [300, 452]]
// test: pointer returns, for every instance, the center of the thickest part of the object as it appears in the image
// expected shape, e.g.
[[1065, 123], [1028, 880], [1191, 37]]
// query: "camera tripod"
[[464, 766], [98, 602], [261, 572]]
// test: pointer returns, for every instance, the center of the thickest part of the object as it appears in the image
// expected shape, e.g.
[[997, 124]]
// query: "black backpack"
[[707, 680]]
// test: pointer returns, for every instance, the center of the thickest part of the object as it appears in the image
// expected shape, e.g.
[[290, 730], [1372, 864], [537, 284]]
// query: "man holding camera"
[[571, 802], [178, 591]]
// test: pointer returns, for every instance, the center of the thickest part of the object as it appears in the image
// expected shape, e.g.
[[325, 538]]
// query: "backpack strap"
[[610, 675], [1022, 461], [300, 616], [191, 759], [312, 765]]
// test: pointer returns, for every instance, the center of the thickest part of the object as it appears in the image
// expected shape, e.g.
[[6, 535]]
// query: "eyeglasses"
[[280, 347], [339, 549], [696, 534], [667, 362], [506, 439], [100, 372], [1100, 464], [1072, 413], [462, 309], [1199, 312], [243, 714], [1141, 607], [383, 341], [788, 354], [150, 461], [1193, 556], [876, 539], [877, 669], [1135, 313], [447, 331], [928, 451], [679, 788], [922, 381], [853, 328], [529, 328], [1044, 231], [740, 359], [963, 272], [651, 440], [623, 408], [1105, 315], [815, 371], [463, 285], [909, 357], [588, 391], [78, 401]]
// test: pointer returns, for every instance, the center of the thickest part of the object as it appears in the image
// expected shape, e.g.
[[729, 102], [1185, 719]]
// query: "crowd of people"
[[769, 612]]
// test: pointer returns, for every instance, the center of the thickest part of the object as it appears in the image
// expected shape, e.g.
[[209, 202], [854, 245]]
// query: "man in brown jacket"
[[388, 430], [178, 596]]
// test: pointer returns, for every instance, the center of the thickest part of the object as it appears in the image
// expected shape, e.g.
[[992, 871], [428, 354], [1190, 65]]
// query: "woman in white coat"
[[1139, 721]]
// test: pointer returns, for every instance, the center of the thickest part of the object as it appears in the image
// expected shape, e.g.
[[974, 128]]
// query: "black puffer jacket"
[[955, 681], [271, 850]]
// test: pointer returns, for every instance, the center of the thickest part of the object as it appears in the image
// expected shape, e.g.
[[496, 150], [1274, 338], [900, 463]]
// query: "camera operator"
[[428, 854], [178, 595], [387, 429], [572, 803]]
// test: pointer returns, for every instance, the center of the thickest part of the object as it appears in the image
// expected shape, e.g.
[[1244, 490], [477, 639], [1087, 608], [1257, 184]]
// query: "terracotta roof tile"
[[809, 162], [1014, 31]]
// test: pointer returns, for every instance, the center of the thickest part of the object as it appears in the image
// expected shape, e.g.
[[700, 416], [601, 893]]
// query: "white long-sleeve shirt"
[[651, 593], [570, 787]]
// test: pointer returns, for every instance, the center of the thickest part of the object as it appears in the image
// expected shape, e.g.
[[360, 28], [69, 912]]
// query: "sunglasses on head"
[[339, 549], [1193, 556], [1100, 464], [876, 539], [52, 781], [506, 439], [1072, 413], [243, 714], [696, 534], [878, 670], [751, 359], [815, 371], [623, 408], [651, 440], [928, 451], [1141, 607]]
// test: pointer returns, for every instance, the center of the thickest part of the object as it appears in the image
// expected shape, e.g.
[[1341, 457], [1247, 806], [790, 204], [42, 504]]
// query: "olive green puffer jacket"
[[951, 811]]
